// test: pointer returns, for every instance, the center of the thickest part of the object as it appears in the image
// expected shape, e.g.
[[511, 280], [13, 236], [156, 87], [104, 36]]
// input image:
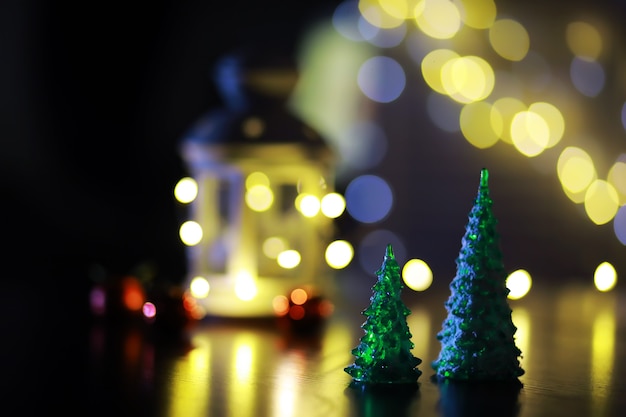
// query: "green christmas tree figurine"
[[383, 355], [477, 338]]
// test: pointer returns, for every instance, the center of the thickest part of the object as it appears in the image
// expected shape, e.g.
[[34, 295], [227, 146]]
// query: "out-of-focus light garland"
[[485, 117], [490, 81]]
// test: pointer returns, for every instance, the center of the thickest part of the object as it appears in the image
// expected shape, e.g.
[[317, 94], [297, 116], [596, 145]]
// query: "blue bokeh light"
[[368, 198], [387, 38], [346, 20], [381, 79], [587, 76]]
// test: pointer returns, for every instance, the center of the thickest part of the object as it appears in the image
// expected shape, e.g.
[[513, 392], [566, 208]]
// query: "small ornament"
[[383, 355], [477, 338]]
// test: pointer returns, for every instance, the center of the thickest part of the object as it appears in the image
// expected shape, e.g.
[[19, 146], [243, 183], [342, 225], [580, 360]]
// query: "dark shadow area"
[[478, 398], [372, 400]]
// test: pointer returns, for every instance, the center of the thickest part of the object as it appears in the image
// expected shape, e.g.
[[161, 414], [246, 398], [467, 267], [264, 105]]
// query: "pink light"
[[149, 309], [97, 299]]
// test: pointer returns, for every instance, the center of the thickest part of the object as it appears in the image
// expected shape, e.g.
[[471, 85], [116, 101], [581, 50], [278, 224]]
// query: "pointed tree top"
[[389, 252], [484, 178]]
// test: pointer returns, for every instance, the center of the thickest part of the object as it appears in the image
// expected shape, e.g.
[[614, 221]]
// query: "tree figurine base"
[[383, 355]]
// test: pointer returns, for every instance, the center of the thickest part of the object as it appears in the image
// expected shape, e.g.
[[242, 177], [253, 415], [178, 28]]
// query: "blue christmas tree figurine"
[[383, 355], [477, 337]]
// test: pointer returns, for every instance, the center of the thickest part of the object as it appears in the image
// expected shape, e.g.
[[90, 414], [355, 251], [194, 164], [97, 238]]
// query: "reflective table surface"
[[573, 340]]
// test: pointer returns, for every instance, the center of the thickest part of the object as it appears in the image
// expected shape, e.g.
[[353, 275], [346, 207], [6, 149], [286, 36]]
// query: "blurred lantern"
[[256, 227]]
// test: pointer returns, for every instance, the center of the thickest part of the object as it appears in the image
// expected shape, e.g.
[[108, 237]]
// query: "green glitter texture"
[[383, 355], [477, 337]]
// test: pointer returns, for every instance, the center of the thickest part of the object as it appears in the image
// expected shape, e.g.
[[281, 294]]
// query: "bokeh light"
[[400, 9], [381, 79], [280, 305], [149, 310], [333, 205], [257, 178], [481, 124], [583, 40], [587, 76], [554, 120], [417, 275], [367, 30], [298, 296], [519, 283], [297, 312], [339, 254], [509, 39], [507, 108], [369, 198], [98, 300], [186, 190], [133, 295], [477, 14], [372, 11], [439, 19], [259, 197], [605, 277], [199, 287], [576, 172], [190, 233], [289, 259], [387, 38], [619, 225], [345, 20], [308, 205], [530, 133], [601, 202], [467, 78], [432, 65]]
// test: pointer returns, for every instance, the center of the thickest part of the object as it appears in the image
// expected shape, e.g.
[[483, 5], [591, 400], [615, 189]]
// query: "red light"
[[132, 294], [297, 312]]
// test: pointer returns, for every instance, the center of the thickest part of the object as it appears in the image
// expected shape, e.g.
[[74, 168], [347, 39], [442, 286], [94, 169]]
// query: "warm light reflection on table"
[[572, 339]]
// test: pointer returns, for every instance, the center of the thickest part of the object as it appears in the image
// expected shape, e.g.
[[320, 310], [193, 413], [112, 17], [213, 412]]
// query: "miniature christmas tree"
[[383, 355], [477, 338]]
